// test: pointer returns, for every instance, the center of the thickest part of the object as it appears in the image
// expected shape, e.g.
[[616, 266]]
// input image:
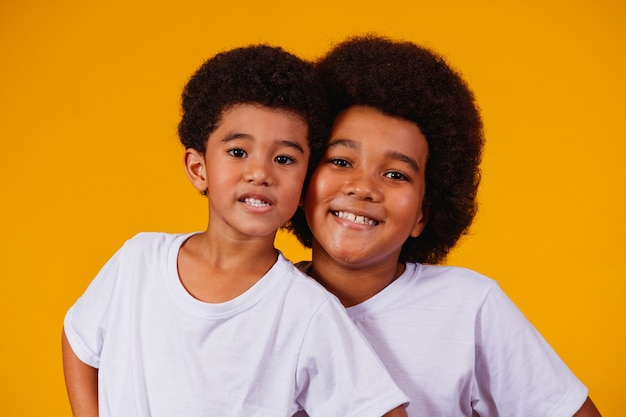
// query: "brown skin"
[[81, 381], [397, 412], [588, 410], [255, 153]]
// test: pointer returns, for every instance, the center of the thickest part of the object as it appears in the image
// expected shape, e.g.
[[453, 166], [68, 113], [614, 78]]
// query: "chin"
[[349, 259]]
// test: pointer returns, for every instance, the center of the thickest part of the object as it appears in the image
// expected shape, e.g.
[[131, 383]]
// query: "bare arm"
[[401, 412], [81, 381], [588, 409]]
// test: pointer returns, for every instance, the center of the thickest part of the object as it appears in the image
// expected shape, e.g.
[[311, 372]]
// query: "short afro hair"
[[404, 80], [254, 74]]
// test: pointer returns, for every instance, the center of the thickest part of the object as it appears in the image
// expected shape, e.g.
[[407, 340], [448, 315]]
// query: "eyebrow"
[[399, 156], [345, 142], [282, 142], [395, 155]]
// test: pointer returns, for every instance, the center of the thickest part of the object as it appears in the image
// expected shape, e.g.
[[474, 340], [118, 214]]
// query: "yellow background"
[[89, 102]]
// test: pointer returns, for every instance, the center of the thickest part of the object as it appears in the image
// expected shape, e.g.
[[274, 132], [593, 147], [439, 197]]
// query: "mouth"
[[345, 215], [255, 202]]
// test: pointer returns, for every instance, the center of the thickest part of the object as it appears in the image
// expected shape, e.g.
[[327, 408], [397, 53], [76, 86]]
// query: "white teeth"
[[354, 218], [255, 202]]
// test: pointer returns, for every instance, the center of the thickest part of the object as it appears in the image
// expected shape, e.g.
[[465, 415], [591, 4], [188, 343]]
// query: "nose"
[[364, 186], [258, 172]]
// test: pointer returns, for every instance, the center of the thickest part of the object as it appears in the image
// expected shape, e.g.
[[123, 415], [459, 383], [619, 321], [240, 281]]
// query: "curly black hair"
[[254, 74], [404, 80]]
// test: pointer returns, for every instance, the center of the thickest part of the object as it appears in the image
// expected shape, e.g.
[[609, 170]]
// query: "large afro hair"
[[404, 80]]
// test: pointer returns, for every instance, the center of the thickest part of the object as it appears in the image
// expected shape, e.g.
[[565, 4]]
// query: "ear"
[[420, 222], [195, 166]]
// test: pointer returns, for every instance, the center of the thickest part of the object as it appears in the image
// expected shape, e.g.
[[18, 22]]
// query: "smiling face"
[[253, 170], [365, 198]]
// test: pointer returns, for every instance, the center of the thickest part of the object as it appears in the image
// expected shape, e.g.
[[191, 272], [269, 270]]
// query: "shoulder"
[[453, 278], [153, 241], [437, 287], [302, 286], [140, 252], [304, 266], [464, 287]]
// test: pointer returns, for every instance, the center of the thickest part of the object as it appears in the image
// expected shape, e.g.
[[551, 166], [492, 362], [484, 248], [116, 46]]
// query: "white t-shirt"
[[281, 345], [454, 342]]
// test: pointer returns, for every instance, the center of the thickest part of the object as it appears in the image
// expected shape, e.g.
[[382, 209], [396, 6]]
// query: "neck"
[[224, 253], [353, 283], [218, 270]]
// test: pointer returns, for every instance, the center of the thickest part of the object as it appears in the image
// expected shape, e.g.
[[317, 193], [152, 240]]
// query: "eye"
[[397, 176], [237, 153], [340, 162], [284, 160]]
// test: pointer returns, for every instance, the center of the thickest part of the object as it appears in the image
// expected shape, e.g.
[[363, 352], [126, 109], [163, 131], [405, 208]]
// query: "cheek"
[[215, 181], [292, 187], [322, 185], [310, 206], [315, 194], [314, 209], [408, 208]]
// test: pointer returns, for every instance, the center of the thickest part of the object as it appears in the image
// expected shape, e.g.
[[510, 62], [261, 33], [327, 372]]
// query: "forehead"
[[258, 122], [243, 113], [372, 132]]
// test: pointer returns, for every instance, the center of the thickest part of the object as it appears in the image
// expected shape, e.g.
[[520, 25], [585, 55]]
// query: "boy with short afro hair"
[[266, 76], [218, 323], [394, 191]]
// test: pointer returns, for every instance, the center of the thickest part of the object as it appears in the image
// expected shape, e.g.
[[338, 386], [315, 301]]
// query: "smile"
[[355, 219], [255, 202]]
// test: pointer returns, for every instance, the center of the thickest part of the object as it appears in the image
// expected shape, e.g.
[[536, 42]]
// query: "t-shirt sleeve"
[[516, 369], [85, 321], [338, 373]]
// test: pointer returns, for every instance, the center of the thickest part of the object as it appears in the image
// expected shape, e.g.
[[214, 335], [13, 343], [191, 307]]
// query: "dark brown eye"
[[339, 162], [237, 153], [284, 160], [395, 175]]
